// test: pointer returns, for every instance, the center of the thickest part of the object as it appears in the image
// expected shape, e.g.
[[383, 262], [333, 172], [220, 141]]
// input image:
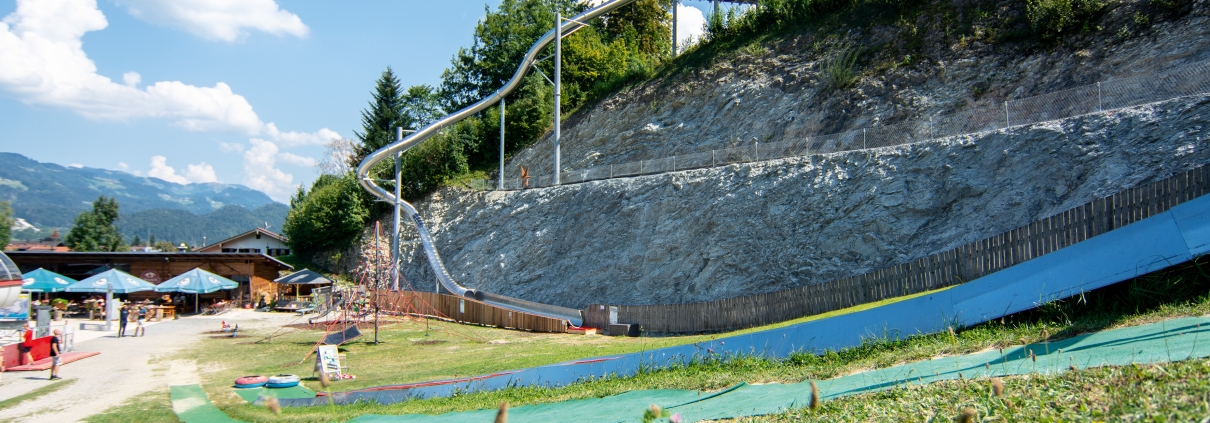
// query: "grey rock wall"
[[744, 229], [777, 95]]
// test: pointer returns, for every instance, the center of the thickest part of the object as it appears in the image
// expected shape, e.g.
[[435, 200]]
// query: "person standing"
[[123, 317], [139, 329], [55, 355], [27, 345]]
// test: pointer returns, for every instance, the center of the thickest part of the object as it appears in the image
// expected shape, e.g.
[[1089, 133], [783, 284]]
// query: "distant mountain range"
[[48, 195]]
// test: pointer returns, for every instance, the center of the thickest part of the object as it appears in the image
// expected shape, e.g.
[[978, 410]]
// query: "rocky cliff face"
[[744, 229], [773, 92]]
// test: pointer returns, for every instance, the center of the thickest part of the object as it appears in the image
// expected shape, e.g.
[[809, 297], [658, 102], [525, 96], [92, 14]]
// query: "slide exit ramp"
[[426, 239]]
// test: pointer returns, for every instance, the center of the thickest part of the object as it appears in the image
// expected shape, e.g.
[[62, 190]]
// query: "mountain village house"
[[254, 241]]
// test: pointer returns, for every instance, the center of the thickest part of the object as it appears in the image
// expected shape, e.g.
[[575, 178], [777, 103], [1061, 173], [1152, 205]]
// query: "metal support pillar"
[[674, 38], [110, 310], [558, 85], [395, 229], [501, 184]]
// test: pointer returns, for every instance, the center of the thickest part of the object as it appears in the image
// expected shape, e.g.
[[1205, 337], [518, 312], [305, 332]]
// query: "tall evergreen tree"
[[378, 122], [137, 241], [95, 230]]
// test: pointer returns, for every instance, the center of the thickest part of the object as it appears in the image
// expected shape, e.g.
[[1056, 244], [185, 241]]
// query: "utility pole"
[[558, 84]]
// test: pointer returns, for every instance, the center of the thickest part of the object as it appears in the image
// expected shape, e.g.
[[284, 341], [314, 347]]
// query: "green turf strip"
[[191, 405], [1170, 340], [250, 395]]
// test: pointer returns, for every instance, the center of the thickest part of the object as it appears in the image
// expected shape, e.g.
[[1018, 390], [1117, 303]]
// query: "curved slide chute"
[[426, 239]]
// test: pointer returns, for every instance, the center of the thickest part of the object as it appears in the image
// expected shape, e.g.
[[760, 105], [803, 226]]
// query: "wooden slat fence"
[[465, 310], [955, 266]]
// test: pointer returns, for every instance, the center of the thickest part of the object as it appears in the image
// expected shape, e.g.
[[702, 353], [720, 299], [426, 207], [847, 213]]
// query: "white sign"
[[327, 360]]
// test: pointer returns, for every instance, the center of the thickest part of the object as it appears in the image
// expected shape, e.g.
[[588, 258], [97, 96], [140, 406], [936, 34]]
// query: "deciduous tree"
[[6, 223], [95, 230]]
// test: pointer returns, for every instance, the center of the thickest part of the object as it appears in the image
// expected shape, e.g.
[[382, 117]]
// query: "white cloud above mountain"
[[223, 20], [194, 173], [43, 63], [261, 172]]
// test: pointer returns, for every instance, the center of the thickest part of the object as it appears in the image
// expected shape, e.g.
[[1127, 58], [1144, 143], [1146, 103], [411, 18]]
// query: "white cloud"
[[291, 139], [230, 147], [132, 79], [690, 25], [194, 173], [200, 173], [161, 169], [225, 20], [298, 160], [261, 173], [76, 166], [122, 166], [42, 62]]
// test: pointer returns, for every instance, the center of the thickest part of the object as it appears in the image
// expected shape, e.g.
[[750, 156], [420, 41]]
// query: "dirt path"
[[126, 367]]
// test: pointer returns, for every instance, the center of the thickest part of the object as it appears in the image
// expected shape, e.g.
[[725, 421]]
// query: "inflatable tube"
[[282, 381], [251, 382]]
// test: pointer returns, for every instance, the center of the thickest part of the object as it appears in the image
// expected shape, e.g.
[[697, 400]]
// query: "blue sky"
[[242, 92]]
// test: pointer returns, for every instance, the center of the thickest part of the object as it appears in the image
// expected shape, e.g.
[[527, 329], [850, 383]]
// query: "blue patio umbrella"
[[112, 281], [196, 281], [43, 280]]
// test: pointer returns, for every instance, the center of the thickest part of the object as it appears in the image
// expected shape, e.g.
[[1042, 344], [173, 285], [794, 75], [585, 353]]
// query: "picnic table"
[[159, 313]]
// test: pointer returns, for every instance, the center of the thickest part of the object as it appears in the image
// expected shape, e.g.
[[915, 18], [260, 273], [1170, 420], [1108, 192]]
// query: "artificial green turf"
[[252, 394]]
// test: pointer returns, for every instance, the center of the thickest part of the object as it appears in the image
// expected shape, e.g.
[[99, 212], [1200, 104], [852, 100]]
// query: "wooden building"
[[254, 241], [254, 272]]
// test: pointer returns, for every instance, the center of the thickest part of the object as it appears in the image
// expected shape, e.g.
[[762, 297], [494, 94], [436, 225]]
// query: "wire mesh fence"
[[1114, 94]]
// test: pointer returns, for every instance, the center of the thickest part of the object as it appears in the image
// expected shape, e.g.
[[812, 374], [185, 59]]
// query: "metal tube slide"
[[426, 239]]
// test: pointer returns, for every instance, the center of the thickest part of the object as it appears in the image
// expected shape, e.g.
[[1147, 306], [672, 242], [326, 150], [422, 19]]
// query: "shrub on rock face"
[[1051, 18]]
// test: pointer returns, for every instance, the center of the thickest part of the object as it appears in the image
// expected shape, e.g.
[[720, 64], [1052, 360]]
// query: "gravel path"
[[126, 367]]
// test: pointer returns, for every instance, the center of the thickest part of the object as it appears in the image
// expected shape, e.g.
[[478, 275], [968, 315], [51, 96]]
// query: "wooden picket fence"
[[465, 310], [964, 263]]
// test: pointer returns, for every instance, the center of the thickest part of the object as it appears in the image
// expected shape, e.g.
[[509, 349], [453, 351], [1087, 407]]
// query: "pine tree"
[[137, 241], [379, 121]]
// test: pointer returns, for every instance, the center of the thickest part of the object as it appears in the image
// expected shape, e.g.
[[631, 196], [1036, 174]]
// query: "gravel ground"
[[126, 367]]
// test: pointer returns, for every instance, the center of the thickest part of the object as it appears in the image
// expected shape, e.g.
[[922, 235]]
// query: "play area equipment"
[[10, 281], [281, 381], [251, 382], [403, 144]]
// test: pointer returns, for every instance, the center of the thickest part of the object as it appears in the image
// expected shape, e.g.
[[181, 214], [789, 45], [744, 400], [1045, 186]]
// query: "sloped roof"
[[304, 277], [218, 245]]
